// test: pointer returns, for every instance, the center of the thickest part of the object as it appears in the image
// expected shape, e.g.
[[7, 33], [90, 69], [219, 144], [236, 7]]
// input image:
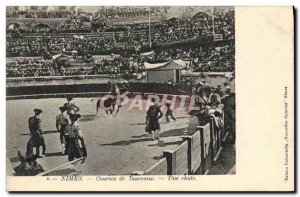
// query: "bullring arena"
[[116, 145], [55, 52]]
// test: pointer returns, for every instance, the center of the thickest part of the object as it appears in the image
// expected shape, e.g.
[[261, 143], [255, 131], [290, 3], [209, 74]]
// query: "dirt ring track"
[[116, 145]]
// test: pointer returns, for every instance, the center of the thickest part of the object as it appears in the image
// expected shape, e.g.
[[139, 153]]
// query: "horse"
[[110, 103], [28, 167]]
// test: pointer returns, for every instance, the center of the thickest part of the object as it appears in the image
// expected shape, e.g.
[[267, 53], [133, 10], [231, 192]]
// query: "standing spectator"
[[229, 110]]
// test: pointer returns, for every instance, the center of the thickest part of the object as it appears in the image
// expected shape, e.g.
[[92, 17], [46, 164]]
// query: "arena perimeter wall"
[[89, 90], [198, 152]]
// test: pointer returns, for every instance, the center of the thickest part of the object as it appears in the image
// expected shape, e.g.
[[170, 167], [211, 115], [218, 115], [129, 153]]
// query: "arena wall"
[[86, 90], [159, 168], [195, 155]]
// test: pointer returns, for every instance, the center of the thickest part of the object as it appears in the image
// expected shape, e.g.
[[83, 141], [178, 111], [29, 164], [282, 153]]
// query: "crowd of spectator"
[[37, 12], [106, 37], [224, 23], [215, 103], [214, 59], [93, 33], [33, 67], [201, 59], [127, 12], [64, 12]]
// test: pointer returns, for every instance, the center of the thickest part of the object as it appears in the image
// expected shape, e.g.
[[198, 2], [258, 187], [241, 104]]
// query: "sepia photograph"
[[120, 90], [148, 98]]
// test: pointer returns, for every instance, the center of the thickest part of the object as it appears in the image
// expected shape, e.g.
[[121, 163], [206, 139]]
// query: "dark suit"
[[229, 109]]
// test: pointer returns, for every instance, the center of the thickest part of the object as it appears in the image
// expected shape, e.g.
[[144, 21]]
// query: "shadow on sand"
[[139, 123], [168, 133], [158, 157], [161, 143], [126, 142], [139, 136], [67, 171], [55, 154], [87, 118], [14, 159]]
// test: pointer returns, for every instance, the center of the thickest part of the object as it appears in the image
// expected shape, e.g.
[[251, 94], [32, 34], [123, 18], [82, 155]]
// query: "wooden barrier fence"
[[205, 146], [196, 155], [158, 168], [40, 91], [213, 138], [177, 160]]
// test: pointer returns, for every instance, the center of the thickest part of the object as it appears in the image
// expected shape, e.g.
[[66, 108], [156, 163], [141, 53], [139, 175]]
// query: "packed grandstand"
[[116, 40]]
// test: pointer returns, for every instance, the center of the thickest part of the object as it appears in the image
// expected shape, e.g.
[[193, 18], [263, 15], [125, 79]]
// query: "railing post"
[[212, 138], [202, 149], [170, 157], [205, 148], [189, 140]]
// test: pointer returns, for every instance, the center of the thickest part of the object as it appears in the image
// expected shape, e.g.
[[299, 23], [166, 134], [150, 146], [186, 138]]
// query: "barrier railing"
[[196, 155], [92, 88], [213, 138], [160, 168], [205, 146], [177, 160]]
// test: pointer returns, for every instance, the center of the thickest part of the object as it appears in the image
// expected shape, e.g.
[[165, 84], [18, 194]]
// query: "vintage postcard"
[[149, 98]]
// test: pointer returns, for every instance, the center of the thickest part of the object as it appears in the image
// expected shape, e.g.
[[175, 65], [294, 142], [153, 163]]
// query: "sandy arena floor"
[[116, 145]]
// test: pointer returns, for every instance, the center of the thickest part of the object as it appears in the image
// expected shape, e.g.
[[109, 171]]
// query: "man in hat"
[[219, 91], [62, 121], [71, 107], [229, 110], [202, 116], [199, 88], [227, 91], [35, 129], [227, 87]]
